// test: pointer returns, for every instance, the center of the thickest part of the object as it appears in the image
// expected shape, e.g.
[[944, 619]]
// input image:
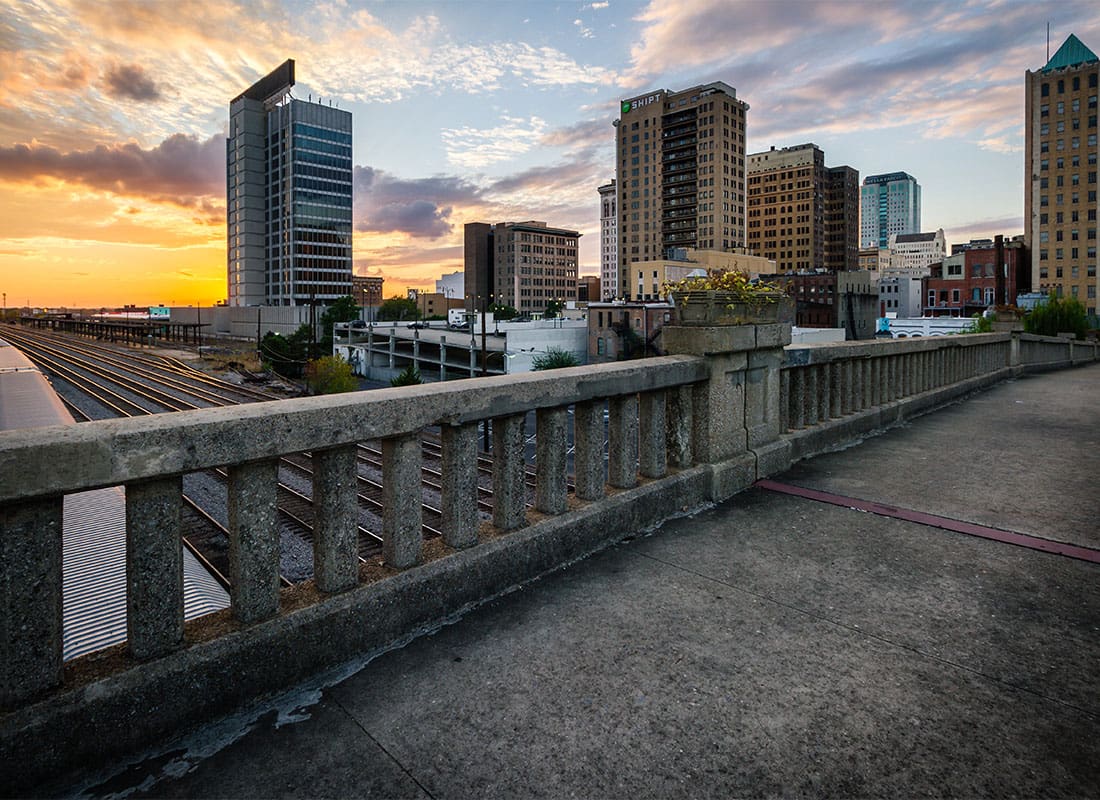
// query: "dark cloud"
[[129, 81], [420, 207], [180, 169]]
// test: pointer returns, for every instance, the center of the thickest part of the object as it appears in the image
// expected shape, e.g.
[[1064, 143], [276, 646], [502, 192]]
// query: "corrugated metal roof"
[[94, 570], [93, 528]]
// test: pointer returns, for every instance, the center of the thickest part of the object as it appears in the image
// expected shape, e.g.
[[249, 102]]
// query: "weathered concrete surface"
[[978, 460], [770, 646]]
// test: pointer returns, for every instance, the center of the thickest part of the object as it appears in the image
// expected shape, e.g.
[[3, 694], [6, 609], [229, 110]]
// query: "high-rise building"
[[802, 214], [680, 163], [525, 265], [288, 197], [889, 204], [1060, 149], [609, 243], [841, 218]]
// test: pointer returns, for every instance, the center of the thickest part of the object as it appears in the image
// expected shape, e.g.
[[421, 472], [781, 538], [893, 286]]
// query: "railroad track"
[[125, 385]]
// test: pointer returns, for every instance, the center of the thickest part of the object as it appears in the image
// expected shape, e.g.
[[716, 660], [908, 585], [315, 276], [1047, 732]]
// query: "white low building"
[[380, 352]]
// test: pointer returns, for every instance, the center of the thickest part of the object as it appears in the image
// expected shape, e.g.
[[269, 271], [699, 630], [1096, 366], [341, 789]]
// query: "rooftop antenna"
[[1048, 40]]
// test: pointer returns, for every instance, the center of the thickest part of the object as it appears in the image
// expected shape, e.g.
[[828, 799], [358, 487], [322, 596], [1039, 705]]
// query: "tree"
[[286, 355], [554, 358], [398, 308], [410, 376], [343, 309], [503, 312], [330, 375], [1057, 315], [553, 308]]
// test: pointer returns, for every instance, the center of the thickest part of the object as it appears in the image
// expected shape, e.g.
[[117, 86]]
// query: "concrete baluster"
[[678, 427], [30, 605], [810, 405], [867, 383], [652, 452], [836, 389], [784, 401], [797, 413], [588, 441], [622, 441], [253, 540], [824, 392], [336, 518], [848, 386], [459, 479], [154, 567], [402, 505], [509, 486], [550, 446]]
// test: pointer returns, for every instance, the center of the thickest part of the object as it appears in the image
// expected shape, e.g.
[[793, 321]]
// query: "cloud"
[[597, 6], [181, 169], [419, 208], [586, 33], [474, 148], [129, 81]]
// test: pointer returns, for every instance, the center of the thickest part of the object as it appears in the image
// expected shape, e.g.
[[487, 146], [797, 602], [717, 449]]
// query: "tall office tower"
[[520, 264], [609, 243], [801, 214], [888, 204], [680, 163], [786, 206], [288, 196], [841, 218], [1060, 201]]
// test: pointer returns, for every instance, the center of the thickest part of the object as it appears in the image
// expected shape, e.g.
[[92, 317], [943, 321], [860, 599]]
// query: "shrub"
[[330, 375], [1057, 315], [410, 376], [554, 358]]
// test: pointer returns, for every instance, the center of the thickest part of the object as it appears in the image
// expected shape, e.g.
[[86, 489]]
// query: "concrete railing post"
[[253, 540], [742, 394], [550, 446], [335, 519], [678, 426], [30, 605], [154, 567], [622, 441], [509, 485], [652, 452], [588, 439], [459, 478], [402, 504]]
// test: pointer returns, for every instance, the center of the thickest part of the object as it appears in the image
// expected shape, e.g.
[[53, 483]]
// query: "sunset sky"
[[113, 117]]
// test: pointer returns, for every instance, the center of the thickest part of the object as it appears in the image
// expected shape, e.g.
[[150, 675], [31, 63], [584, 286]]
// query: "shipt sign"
[[160, 313], [631, 105]]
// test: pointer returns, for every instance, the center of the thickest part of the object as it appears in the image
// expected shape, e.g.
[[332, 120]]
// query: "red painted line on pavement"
[[946, 523]]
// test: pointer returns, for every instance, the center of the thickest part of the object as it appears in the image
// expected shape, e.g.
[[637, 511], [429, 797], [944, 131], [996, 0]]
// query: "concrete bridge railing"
[[833, 394], [731, 406]]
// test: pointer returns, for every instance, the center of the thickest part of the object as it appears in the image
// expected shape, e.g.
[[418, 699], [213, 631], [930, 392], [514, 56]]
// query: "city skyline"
[[112, 141]]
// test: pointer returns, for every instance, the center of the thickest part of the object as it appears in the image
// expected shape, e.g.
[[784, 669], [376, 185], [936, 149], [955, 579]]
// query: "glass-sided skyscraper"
[[288, 197], [889, 204]]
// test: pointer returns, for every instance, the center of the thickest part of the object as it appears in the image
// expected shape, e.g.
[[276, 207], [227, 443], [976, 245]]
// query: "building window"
[[955, 296], [601, 348]]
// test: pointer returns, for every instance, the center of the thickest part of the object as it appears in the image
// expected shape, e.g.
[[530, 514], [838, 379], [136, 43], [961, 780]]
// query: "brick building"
[[983, 275]]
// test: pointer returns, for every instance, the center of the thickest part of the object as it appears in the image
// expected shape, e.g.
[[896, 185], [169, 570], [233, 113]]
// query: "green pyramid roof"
[[1070, 54]]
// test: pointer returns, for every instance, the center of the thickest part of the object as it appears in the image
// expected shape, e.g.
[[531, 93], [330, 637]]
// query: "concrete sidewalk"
[[773, 645]]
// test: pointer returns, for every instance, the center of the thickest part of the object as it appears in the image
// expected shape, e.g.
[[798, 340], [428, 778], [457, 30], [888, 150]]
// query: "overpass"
[[686, 432]]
